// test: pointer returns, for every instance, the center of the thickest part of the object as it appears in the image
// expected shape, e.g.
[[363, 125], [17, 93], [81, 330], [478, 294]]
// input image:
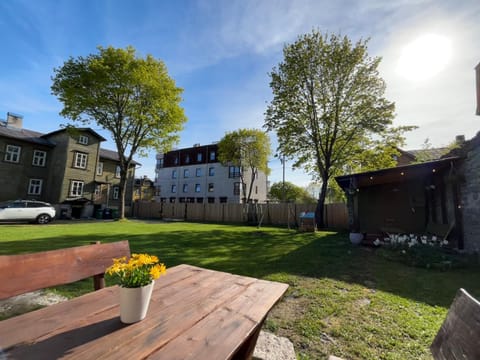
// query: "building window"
[[185, 188], [118, 171], [187, 159], [223, 199], [233, 171], [39, 158], [174, 188], [83, 140], [100, 168], [197, 188], [172, 200], [80, 160], [12, 153], [212, 155], [211, 171], [174, 174], [35, 187], [198, 172], [199, 200], [98, 190], [199, 157], [160, 163], [236, 188], [116, 192], [211, 187], [186, 173], [175, 161], [76, 188], [211, 200]]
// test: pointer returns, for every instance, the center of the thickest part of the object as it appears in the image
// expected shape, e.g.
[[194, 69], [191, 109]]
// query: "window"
[[118, 171], [80, 160], [12, 153], [174, 188], [83, 140], [186, 173], [199, 200], [174, 174], [236, 188], [76, 188], [197, 188], [211, 200], [185, 188], [100, 168], [98, 190], [39, 158], [233, 171], [172, 200], [160, 163], [116, 192], [199, 157], [175, 161], [211, 171], [198, 172], [211, 187], [35, 187], [212, 155], [187, 159], [223, 199]]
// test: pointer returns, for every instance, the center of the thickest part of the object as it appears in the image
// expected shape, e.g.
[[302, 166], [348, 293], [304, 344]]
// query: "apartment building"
[[66, 168], [195, 175]]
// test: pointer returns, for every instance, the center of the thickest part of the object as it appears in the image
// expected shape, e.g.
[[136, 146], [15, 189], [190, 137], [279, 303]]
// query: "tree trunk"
[[123, 190], [321, 204]]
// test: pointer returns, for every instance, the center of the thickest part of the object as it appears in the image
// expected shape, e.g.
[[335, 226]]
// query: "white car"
[[27, 210]]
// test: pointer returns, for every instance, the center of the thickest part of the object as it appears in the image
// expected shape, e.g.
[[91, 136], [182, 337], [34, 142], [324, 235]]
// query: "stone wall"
[[470, 195]]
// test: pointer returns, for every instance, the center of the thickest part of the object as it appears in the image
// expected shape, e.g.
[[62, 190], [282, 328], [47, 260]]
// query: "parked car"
[[27, 210]]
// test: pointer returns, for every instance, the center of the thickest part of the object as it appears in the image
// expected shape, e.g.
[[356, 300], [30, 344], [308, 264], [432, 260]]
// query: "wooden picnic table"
[[194, 313]]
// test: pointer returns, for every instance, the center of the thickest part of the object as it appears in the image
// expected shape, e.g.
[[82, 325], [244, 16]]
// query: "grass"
[[343, 300]]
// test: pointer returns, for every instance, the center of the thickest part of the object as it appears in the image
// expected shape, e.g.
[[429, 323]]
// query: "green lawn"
[[342, 300]]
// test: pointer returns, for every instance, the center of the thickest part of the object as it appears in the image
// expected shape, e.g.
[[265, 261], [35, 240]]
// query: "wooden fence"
[[335, 215]]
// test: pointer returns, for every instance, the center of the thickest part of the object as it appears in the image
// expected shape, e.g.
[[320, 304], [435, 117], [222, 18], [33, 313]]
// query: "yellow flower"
[[157, 270], [139, 270]]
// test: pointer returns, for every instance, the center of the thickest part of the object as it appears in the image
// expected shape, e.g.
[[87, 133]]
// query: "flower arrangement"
[[138, 271]]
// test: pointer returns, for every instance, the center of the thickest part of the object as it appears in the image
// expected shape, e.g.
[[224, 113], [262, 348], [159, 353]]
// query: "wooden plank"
[[28, 272], [223, 332], [53, 319], [459, 335]]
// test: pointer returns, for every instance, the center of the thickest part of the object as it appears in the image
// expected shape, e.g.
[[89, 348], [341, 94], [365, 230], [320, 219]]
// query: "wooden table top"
[[194, 313]]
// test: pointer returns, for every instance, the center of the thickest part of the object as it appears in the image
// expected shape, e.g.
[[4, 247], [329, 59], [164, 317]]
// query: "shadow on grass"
[[260, 253]]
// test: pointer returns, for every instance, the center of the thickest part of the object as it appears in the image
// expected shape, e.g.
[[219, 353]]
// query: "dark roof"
[[465, 147], [395, 174], [25, 135], [91, 131], [428, 154], [113, 155]]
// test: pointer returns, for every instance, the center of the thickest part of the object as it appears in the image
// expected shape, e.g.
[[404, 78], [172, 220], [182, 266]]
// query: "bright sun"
[[424, 57]]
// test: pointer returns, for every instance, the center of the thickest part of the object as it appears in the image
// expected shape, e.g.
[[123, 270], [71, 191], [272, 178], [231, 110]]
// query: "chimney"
[[477, 70], [459, 139], [14, 120]]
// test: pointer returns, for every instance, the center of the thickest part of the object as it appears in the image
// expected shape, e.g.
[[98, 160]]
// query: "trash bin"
[[307, 222], [107, 213], [99, 214], [115, 213]]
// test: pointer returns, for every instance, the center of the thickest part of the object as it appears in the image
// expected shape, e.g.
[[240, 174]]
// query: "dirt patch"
[[27, 302]]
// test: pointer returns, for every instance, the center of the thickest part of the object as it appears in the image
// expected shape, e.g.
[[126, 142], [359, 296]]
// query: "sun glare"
[[424, 57]]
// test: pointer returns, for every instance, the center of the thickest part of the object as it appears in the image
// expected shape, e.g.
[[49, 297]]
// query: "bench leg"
[[245, 352]]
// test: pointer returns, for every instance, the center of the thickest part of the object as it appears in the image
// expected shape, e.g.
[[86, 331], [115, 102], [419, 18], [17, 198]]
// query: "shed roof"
[[395, 174]]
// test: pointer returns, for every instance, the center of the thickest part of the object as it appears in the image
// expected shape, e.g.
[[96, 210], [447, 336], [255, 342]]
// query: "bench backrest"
[[459, 336], [23, 273]]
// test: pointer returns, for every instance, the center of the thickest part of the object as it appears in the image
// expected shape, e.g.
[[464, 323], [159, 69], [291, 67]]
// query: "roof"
[[428, 154], [112, 155], [394, 174], [25, 135], [89, 130]]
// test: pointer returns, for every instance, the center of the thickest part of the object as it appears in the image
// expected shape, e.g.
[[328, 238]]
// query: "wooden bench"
[[459, 335], [23, 273]]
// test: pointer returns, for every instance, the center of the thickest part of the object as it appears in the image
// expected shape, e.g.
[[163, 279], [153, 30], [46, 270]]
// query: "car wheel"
[[43, 219]]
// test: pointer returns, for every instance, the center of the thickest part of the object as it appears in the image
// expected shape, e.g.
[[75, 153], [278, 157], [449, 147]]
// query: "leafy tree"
[[287, 191], [328, 109], [247, 149], [131, 97]]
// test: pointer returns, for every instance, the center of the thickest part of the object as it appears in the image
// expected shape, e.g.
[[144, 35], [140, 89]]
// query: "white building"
[[195, 175]]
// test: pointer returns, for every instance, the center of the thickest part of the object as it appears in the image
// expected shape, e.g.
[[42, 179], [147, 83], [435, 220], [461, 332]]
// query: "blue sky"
[[220, 53]]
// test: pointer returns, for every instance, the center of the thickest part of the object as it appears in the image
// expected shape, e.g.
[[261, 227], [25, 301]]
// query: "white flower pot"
[[356, 238], [134, 303]]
